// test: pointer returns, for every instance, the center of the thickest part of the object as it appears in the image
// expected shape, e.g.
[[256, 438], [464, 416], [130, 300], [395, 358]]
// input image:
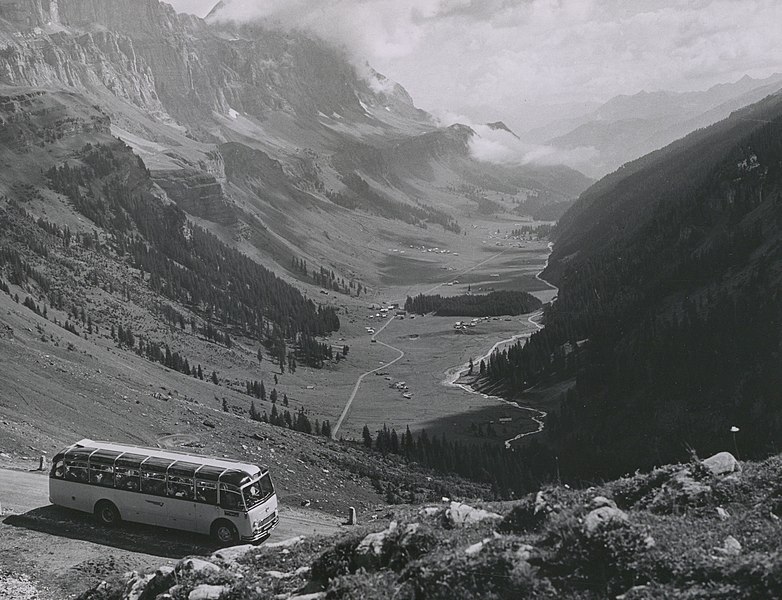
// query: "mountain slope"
[[178, 89], [669, 313]]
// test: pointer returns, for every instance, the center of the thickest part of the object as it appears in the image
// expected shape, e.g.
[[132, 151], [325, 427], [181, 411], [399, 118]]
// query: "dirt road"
[[63, 552], [363, 375]]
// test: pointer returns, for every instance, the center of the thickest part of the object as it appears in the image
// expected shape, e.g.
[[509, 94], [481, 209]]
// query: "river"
[[453, 374]]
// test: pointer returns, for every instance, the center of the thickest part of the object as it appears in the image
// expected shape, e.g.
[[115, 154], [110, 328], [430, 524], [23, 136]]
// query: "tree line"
[[182, 261], [493, 304]]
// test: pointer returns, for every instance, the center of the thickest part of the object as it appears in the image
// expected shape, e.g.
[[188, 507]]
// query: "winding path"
[[363, 375]]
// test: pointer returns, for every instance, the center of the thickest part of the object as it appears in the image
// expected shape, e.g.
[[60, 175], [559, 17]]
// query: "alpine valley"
[[240, 240]]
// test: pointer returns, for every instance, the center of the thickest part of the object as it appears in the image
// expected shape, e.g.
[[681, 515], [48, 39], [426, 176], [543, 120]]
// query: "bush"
[[363, 585], [522, 517], [495, 572], [337, 560], [610, 559]]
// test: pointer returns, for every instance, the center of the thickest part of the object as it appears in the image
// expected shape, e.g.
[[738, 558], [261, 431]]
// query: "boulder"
[[288, 543], [162, 579], [134, 589], [731, 547], [722, 463], [207, 592], [600, 502], [196, 565], [524, 552], [459, 514], [370, 550], [541, 504], [232, 554], [722, 513], [600, 516]]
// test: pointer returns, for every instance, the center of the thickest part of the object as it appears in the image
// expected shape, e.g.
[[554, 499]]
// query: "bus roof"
[[173, 455]]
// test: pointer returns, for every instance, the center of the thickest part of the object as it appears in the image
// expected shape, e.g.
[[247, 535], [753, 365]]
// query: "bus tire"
[[107, 514], [225, 533]]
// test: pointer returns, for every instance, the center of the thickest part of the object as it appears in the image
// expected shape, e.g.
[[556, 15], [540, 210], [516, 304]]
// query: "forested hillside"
[[669, 314]]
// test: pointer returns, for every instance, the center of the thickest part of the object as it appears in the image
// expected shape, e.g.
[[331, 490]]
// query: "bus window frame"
[[153, 465], [181, 470]]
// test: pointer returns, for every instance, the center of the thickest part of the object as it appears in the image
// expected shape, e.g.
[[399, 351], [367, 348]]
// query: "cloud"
[[506, 148], [500, 147], [503, 59]]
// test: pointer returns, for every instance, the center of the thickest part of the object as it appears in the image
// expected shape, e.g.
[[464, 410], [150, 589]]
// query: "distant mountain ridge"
[[628, 127]]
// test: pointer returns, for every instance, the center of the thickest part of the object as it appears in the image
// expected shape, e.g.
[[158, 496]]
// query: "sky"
[[524, 61]]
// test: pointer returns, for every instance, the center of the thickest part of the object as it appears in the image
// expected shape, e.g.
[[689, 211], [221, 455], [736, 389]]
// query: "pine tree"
[[214, 378], [367, 436]]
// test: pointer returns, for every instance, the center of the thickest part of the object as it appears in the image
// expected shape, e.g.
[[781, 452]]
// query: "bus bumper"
[[263, 531]]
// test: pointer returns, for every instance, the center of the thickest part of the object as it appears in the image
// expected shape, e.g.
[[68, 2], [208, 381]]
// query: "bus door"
[[153, 503]]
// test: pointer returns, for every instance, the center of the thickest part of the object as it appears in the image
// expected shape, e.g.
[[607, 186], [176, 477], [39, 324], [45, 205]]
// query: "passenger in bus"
[[229, 500], [206, 493]]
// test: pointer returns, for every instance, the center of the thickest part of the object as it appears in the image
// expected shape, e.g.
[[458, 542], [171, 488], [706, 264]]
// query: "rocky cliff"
[[39, 118]]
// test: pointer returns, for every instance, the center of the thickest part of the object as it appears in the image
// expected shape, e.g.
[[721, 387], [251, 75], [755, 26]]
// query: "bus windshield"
[[258, 491]]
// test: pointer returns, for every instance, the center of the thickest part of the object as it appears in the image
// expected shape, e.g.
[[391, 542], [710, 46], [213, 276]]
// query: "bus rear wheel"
[[106, 513], [225, 533]]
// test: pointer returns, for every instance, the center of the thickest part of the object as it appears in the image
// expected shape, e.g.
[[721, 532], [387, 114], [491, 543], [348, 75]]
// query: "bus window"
[[206, 491], [76, 470], [127, 478], [153, 476], [180, 486], [58, 469], [101, 474], [267, 487], [230, 498], [258, 491]]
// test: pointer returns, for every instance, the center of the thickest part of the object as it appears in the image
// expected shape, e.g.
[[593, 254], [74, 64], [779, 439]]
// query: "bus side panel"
[[205, 515], [83, 497], [72, 494]]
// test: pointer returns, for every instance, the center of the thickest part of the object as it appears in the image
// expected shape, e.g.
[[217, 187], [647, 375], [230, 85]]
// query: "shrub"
[[493, 573], [610, 559], [337, 560], [363, 585], [522, 517]]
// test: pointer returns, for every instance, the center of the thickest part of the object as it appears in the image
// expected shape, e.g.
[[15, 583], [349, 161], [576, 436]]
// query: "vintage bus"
[[231, 501]]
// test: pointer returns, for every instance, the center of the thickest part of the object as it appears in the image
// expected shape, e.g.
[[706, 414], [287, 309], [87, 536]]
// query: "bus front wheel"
[[225, 533], [106, 513]]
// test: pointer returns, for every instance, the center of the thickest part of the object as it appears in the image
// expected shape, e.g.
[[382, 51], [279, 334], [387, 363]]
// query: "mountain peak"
[[500, 126]]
